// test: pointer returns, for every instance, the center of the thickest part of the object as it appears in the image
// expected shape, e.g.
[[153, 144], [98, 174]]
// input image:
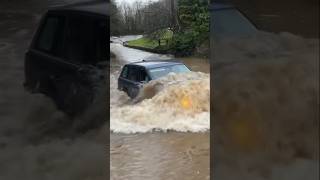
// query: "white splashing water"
[[266, 102], [178, 102]]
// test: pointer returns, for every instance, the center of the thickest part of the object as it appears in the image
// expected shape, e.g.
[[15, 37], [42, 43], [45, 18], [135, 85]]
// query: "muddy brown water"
[[156, 155], [159, 155]]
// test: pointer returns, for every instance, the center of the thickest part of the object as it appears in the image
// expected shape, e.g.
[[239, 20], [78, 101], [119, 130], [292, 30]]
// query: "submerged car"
[[134, 75], [68, 55]]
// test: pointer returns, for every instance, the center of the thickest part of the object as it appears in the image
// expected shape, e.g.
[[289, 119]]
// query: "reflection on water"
[[159, 155]]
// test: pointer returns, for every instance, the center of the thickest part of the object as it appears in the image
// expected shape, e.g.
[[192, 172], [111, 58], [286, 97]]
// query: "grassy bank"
[[151, 41], [178, 45], [143, 42]]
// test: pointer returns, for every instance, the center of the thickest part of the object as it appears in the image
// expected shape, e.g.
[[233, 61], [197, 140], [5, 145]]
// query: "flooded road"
[[149, 144]]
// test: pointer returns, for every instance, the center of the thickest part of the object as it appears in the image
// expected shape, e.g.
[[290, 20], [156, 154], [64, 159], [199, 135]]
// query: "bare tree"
[[152, 16]]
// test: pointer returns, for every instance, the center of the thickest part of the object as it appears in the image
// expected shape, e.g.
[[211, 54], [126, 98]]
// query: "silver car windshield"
[[162, 71]]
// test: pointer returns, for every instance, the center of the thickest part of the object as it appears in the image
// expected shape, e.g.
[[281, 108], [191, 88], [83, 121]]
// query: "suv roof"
[[149, 64], [96, 7]]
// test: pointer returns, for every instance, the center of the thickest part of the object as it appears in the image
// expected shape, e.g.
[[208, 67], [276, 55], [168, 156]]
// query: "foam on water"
[[266, 107], [178, 102]]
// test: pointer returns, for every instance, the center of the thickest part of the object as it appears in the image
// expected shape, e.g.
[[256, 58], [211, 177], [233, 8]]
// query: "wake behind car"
[[134, 75], [67, 58]]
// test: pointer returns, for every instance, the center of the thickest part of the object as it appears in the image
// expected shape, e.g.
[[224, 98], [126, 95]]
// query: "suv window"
[[132, 74], [124, 73], [136, 74], [142, 76], [50, 39], [156, 73], [80, 40], [101, 37]]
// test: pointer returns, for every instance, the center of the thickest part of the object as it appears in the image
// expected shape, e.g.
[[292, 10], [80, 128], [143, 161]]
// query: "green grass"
[[167, 35], [144, 42], [151, 41]]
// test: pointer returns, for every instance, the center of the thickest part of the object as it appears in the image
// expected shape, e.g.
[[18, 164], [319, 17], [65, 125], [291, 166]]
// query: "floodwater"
[[155, 138], [266, 107], [35, 142]]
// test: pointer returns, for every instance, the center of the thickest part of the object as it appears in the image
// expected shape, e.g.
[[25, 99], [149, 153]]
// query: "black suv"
[[68, 56], [134, 75]]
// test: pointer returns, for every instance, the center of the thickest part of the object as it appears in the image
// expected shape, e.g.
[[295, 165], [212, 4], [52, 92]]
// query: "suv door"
[[41, 60], [131, 80], [61, 61], [122, 80], [76, 90]]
